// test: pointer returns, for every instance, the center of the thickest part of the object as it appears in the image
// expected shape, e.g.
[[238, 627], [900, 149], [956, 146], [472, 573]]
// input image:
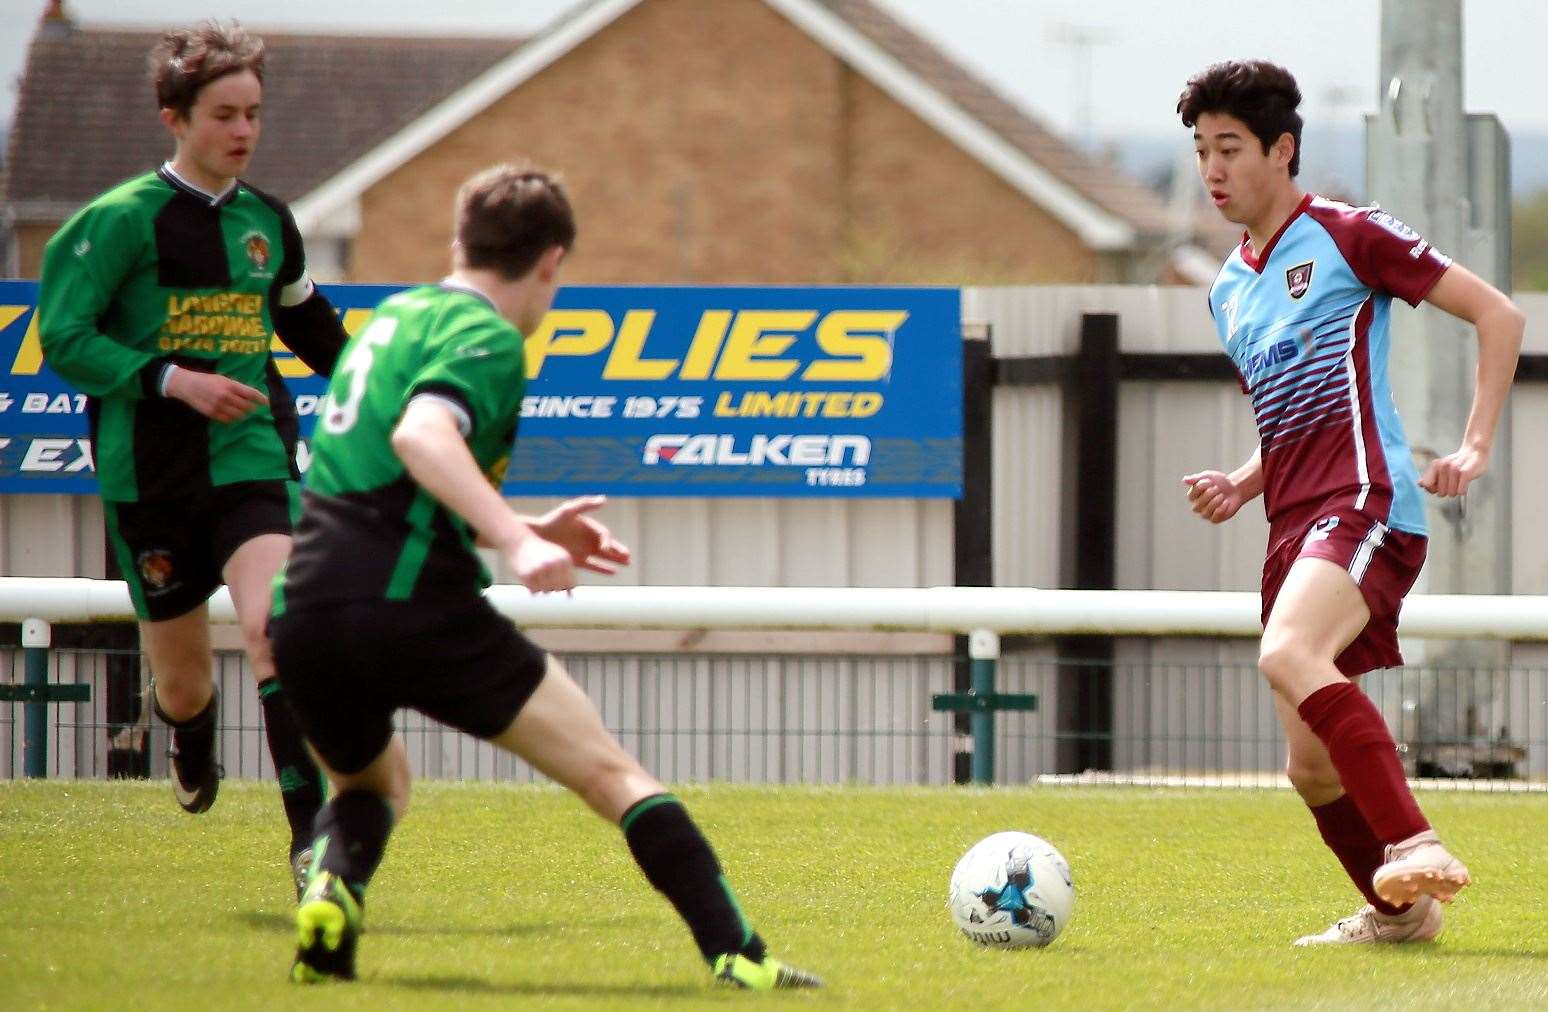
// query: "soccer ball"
[[1011, 891]]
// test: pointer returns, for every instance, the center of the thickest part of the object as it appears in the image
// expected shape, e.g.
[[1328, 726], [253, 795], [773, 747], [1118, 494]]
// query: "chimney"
[[56, 22]]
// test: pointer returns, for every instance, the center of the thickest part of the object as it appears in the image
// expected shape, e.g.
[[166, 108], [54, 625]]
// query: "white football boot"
[[1420, 923], [1419, 866]]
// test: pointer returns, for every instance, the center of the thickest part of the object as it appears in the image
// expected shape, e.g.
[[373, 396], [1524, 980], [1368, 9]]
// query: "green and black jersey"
[[367, 530], [155, 272]]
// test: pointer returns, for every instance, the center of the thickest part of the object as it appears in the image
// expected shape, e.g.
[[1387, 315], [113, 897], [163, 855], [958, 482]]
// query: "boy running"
[[381, 606], [1302, 308]]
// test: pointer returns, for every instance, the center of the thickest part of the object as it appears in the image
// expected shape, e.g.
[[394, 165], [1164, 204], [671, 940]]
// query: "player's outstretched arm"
[[1500, 324], [590, 544], [1217, 496], [428, 442]]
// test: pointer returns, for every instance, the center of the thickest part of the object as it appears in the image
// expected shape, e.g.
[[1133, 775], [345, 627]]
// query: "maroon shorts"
[[1383, 562]]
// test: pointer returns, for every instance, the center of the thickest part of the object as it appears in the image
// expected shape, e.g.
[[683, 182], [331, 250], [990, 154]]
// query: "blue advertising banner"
[[640, 391]]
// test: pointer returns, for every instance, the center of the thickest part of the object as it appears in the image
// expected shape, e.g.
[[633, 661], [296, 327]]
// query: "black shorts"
[[171, 551], [347, 668]]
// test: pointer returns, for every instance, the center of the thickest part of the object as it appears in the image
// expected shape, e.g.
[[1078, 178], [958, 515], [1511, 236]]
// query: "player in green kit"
[[157, 301], [381, 607]]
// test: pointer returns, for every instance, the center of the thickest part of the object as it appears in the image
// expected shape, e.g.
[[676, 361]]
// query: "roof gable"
[[107, 122], [1097, 202], [1095, 179]]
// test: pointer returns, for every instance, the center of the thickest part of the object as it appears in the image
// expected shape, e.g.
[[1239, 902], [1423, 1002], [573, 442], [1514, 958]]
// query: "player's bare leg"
[[249, 574], [183, 694], [387, 776], [1320, 611], [560, 733]]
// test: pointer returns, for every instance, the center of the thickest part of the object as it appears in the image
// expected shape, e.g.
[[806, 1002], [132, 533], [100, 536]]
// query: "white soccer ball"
[[1011, 891]]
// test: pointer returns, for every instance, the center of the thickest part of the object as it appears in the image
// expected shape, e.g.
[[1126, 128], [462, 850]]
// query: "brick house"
[[704, 141]]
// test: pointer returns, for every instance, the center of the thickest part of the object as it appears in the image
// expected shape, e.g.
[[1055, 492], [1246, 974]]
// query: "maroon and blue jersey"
[[1306, 323]]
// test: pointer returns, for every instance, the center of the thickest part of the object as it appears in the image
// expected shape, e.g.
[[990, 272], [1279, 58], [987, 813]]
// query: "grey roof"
[[86, 115], [330, 99]]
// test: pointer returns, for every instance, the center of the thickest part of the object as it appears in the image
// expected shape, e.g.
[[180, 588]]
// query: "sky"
[[1137, 52]]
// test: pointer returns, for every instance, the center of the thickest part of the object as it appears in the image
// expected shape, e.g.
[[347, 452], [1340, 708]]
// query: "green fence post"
[[982, 702], [35, 641], [983, 652]]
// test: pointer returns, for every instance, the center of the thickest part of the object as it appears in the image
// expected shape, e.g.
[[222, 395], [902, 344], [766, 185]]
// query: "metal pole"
[[35, 642], [972, 516], [984, 651]]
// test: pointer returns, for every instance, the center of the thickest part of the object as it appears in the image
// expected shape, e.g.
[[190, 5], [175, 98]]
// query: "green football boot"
[[740, 971], [328, 924]]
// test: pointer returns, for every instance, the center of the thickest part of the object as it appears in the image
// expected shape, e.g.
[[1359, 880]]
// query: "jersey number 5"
[[338, 418]]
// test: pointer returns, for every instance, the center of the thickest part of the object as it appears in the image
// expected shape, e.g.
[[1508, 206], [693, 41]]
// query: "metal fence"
[[849, 719]]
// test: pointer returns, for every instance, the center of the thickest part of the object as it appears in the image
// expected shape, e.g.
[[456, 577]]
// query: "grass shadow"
[[477, 985], [265, 920]]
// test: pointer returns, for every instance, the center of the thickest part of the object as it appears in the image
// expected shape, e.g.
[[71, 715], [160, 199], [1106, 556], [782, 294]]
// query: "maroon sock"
[[1362, 750], [1352, 841]]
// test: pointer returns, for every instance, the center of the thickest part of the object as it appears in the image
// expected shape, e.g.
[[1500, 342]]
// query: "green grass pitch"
[[493, 896]]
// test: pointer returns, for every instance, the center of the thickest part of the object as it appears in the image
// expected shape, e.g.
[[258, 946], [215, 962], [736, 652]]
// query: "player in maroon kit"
[[1302, 307]]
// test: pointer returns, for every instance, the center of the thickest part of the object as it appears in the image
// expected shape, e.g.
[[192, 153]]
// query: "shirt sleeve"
[[480, 367], [303, 317], [84, 265], [291, 285], [1388, 256], [313, 331]]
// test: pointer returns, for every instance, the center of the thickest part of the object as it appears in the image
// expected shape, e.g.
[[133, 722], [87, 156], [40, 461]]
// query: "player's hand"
[[1213, 495], [1452, 474], [216, 397], [540, 565], [590, 544]]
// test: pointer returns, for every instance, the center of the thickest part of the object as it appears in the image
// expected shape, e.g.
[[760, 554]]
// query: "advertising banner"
[[639, 391]]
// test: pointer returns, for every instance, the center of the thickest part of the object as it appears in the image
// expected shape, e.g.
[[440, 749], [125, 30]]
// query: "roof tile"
[[76, 132]]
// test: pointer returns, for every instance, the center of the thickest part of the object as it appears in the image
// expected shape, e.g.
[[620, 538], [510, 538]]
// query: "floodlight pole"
[[1446, 174]]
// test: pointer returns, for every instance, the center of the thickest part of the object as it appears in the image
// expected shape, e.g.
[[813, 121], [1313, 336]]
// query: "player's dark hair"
[[1262, 95], [510, 215], [186, 60]]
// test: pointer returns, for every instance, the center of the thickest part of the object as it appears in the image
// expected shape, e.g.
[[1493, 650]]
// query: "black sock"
[[301, 783], [678, 861], [352, 832], [194, 738]]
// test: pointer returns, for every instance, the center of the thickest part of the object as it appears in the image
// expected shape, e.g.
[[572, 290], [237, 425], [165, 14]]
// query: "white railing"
[[790, 717], [932, 609]]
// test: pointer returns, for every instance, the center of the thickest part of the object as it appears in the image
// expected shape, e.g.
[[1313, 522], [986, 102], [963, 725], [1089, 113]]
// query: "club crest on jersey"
[[256, 246], [1298, 278], [155, 565]]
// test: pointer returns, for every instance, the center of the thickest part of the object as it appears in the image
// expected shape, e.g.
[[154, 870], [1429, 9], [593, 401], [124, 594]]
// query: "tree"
[[1529, 255]]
